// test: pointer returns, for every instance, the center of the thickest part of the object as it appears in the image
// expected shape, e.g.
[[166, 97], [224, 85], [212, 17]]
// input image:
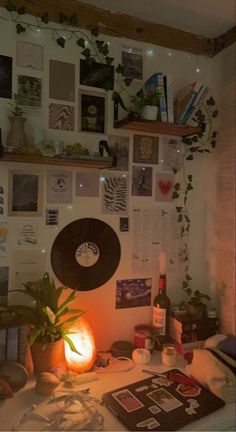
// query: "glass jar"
[[169, 355]]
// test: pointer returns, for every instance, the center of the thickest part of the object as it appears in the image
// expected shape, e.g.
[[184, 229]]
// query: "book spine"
[[22, 342], [12, 344], [169, 93], [3, 341], [196, 106], [188, 105], [162, 98]]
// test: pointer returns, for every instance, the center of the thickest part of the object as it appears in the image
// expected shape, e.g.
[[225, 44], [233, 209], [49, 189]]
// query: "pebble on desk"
[[46, 383]]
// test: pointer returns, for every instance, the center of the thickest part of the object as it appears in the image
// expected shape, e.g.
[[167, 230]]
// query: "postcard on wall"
[[133, 293], [3, 238], [62, 80], [28, 267], [119, 147], [27, 234], [61, 117], [92, 112], [133, 65], [87, 184], [164, 186], [25, 194], [145, 149], [59, 187], [95, 74], [124, 224], [30, 92], [142, 181], [52, 216], [115, 194], [5, 77], [29, 55], [171, 154], [4, 281]]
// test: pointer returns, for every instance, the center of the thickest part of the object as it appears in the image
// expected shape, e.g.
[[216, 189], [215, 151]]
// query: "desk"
[[12, 409]]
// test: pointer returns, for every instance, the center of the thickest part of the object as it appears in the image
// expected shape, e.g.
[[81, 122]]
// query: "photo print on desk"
[[25, 194], [142, 181], [92, 112], [5, 77], [146, 149], [61, 81], [119, 147], [29, 55], [133, 65], [164, 186], [132, 293], [115, 194], [61, 117]]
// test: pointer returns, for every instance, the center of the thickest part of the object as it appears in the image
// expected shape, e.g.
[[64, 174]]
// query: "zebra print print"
[[115, 195], [61, 117]]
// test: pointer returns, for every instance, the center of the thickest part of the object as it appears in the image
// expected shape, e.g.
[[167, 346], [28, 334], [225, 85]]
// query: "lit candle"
[[162, 262]]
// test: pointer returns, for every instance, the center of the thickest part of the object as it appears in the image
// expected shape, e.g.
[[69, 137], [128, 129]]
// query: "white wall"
[[108, 323]]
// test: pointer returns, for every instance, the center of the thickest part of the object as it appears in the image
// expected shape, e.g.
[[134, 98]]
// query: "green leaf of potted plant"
[[49, 323], [196, 308]]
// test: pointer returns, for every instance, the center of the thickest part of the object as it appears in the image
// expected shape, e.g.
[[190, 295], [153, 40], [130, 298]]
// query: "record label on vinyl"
[[85, 254]]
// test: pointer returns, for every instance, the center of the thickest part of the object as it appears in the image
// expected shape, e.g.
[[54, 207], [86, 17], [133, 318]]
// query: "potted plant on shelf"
[[145, 105], [49, 323]]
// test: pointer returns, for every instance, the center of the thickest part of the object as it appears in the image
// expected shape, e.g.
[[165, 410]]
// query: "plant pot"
[[50, 356], [149, 112], [197, 311], [16, 137]]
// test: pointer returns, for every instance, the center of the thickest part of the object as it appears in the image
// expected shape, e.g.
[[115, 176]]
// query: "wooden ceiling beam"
[[124, 26], [225, 40]]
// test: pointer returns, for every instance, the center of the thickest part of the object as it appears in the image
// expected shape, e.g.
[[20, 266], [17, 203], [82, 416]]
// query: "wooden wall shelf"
[[84, 161], [157, 128]]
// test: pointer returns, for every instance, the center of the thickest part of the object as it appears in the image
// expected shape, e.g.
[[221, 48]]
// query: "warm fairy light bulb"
[[162, 262]]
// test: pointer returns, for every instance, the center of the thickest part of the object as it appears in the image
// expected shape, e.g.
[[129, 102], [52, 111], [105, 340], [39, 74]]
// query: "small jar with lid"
[[169, 355]]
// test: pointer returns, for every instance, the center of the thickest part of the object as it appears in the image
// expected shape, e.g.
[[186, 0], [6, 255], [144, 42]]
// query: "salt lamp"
[[83, 340]]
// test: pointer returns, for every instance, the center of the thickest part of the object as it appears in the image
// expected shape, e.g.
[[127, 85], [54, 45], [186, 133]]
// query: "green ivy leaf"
[[120, 69], [86, 53], [128, 81], [189, 157], [175, 195], [190, 177], [62, 18], [193, 149], [20, 28], [215, 113], [21, 10], [213, 143], [61, 42], [73, 20], [81, 42], [177, 186], [178, 209], [189, 187], [195, 138], [210, 101], [187, 218], [45, 18], [214, 134], [95, 32], [206, 151], [174, 170], [10, 6], [104, 50], [109, 60], [99, 44]]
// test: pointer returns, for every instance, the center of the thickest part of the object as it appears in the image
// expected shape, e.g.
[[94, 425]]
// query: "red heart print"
[[165, 186]]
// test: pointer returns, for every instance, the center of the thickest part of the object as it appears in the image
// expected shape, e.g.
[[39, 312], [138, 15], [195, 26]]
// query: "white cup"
[[169, 355]]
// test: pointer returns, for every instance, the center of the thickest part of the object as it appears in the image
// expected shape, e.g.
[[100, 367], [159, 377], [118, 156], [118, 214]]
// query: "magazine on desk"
[[159, 403]]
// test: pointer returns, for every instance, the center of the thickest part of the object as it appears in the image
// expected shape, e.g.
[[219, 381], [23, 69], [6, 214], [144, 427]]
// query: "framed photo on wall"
[[97, 75], [146, 149], [92, 112], [25, 193], [29, 55]]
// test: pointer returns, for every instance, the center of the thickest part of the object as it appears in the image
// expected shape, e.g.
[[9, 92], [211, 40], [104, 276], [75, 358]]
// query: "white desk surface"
[[12, 409]]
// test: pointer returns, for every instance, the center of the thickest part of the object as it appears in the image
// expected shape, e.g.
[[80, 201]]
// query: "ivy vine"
[[204, 141]]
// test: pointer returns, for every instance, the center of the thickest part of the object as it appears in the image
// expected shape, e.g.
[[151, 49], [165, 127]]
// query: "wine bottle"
[[162, 306]]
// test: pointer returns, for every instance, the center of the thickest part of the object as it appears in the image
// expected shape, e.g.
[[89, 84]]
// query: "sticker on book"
[[193, 405], [141, 389], [127, 400], [188, 390], [164, 399], [154, 409], [162, 381], [148, 424]]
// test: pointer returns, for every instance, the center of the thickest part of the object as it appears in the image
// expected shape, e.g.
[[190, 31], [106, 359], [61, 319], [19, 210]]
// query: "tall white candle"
[[162, 262]]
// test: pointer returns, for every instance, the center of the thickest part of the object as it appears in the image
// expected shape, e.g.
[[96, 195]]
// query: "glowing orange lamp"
[[84, 342]]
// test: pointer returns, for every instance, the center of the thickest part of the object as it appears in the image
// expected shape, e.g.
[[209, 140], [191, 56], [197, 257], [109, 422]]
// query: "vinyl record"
[[85, 254]]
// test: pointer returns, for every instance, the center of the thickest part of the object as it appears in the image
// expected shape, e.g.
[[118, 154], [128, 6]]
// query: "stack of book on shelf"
[[189, 333], [188, 101], [164, 85], [13, 342]]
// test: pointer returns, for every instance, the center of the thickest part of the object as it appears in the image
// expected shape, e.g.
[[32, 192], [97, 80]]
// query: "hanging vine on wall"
[[202, 142]]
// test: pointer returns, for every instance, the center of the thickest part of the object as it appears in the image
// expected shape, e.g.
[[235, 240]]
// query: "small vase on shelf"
[[16, 138]]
